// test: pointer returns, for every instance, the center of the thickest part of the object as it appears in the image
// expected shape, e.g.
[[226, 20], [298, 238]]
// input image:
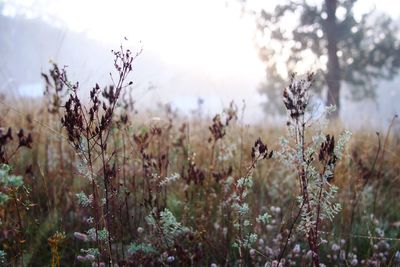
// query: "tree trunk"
[[333, 75]]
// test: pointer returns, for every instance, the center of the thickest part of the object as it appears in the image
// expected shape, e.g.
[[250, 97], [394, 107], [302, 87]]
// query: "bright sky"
[[183, 32], [193, 34], [206, 39], [206, 47]]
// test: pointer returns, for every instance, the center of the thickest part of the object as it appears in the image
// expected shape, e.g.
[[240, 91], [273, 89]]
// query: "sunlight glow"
[[210, 36], [203, 35], [202, 47]]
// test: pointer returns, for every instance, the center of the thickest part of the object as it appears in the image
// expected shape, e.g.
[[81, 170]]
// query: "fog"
[[190, 50]]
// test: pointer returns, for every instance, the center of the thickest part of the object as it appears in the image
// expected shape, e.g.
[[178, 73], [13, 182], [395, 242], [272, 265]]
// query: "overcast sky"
[[205, 47]]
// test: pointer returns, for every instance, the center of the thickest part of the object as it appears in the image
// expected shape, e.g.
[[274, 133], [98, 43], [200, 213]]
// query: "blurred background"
[[203, 54]]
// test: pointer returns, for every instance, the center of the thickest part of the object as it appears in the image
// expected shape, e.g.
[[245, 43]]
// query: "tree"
[[344, 47]]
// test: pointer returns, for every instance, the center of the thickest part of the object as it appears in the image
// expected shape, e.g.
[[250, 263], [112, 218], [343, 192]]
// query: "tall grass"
[[95, 184]]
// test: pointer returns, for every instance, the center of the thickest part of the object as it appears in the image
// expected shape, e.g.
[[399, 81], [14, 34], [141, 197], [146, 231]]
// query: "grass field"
[[88, 182]]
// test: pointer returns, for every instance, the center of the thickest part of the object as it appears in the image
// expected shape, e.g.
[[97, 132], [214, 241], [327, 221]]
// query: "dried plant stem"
[[376, 193], [20, 228], [312, 238], [95, 196], [282, 252]]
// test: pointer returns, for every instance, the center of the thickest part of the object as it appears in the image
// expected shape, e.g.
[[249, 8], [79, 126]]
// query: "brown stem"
[[20, 230], [290, 233], [312, 241], [381, 161], [107, 211], [94, 190]]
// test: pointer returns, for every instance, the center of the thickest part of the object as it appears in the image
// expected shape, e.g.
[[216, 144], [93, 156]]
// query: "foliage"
[[343, 47], [192, 192], [166, 227], [314, 162], [146, 249]]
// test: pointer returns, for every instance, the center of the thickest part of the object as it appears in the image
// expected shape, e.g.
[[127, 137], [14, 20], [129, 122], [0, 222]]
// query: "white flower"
[[335, 247], [296, 249], [170, 259]]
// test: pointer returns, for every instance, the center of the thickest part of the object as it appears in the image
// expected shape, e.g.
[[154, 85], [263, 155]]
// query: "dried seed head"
[[217, 129], [295, 96], [24, 141], [231, 113], [194, 173], [142, 140], [73, 119], [260, 151], [326, 152]]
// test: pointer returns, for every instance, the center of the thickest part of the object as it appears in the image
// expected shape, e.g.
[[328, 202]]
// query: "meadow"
[[88, 180]]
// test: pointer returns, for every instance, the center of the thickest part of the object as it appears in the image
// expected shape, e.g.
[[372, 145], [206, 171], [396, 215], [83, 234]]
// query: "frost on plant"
[[264, 218], [102, 234], [245, 238], [314, 161], [169, 179], [166, 226], [9, 180], [84, 200], [94, 252], [141, 247], [2, 257]]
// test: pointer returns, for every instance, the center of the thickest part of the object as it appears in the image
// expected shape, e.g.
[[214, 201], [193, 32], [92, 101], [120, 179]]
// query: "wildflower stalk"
[[245, 239], [315, 169], [282, 252], [20, 226], [376, 193], [88, 133]]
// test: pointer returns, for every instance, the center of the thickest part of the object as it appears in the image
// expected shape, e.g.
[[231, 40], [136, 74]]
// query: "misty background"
[[191, 50]]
